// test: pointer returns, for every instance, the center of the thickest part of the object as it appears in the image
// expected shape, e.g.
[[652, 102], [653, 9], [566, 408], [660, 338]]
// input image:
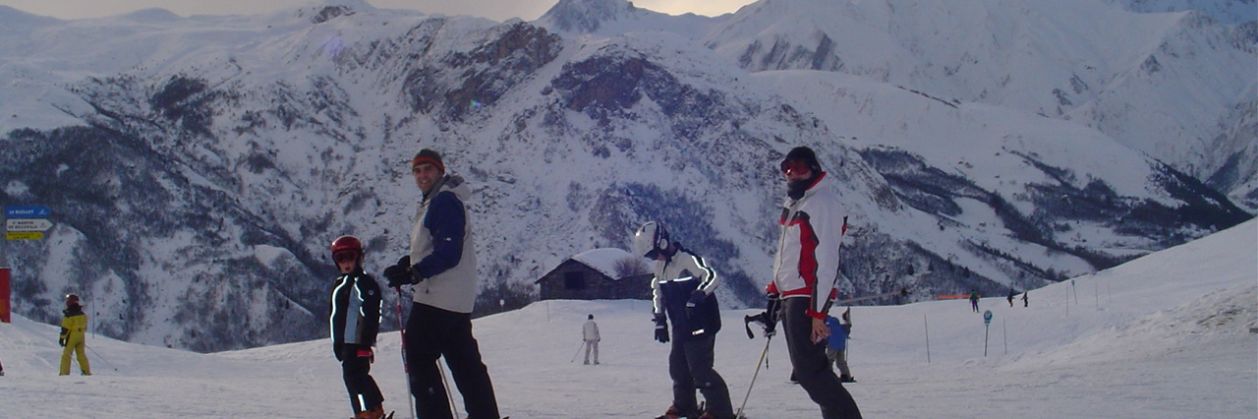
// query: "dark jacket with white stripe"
[[354, 316], [671, 291]]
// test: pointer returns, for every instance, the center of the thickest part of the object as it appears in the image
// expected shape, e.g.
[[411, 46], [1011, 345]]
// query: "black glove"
[[696, 298], [415, 276], [771, 315], [398, 274], [62, 341], [661, 329], [337, 348]]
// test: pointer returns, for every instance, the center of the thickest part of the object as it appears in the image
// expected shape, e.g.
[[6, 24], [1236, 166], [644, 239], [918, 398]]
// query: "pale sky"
[[493, 9]]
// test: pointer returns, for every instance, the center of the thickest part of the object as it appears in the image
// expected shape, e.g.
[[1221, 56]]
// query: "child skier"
[[73, 326], [354, 317]]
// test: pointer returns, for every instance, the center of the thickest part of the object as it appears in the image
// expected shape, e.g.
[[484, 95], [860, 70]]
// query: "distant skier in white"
[[689, 303], [589, 333]]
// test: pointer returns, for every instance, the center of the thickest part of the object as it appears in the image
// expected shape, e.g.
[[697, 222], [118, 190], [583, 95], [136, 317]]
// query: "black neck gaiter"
[[796, 189]]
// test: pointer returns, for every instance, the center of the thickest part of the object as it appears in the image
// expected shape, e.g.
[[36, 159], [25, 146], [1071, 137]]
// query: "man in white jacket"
[[589, 332], [441, 270], [804, 273]]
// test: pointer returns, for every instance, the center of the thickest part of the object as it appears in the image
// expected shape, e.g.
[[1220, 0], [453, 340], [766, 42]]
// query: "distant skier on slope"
[[836, 348], [589, 335], [73, 337], [1012, 293], [689, 303], [354, 319], [974, 300]]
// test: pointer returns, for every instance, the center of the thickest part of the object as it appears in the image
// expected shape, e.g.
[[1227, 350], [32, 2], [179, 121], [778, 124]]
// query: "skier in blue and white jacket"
[[441, 269], [689, 303]]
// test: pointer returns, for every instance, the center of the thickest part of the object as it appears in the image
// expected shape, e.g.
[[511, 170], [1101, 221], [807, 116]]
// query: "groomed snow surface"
[[1165, 336]]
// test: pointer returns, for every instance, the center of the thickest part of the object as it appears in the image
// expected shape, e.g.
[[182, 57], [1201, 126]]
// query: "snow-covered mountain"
[[1172, 79], [1166, 84], [612, 17], [1137, 340], [1226, 11], [198, 167]]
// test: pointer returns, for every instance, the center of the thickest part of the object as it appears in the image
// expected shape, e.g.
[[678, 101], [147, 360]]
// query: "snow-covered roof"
[[603, 260]]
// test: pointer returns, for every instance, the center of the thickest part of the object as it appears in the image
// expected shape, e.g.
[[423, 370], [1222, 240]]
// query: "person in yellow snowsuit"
[[73, 339]]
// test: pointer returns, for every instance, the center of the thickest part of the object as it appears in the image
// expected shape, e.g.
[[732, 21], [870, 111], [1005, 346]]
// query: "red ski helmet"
[[72, 299], [347, 245]]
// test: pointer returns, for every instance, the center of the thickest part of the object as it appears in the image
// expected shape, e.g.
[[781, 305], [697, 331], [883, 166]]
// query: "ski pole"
[[97, 355], [449, 391], [410, 396], [574, 356], [405, 367], [739, 413]]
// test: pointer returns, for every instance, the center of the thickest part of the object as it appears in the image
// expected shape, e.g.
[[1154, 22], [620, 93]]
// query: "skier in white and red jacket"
[[804, 272]]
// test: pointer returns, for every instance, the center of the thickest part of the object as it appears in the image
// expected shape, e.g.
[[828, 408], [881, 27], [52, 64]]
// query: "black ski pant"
[[810, 365], [432, 333], [364, 395], [690, 366]]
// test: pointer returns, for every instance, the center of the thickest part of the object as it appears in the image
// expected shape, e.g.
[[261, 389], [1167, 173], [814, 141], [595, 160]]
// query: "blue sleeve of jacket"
[[445, 221]]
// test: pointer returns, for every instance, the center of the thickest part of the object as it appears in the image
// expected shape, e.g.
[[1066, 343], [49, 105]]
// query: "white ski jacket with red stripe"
[[807, 261]]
